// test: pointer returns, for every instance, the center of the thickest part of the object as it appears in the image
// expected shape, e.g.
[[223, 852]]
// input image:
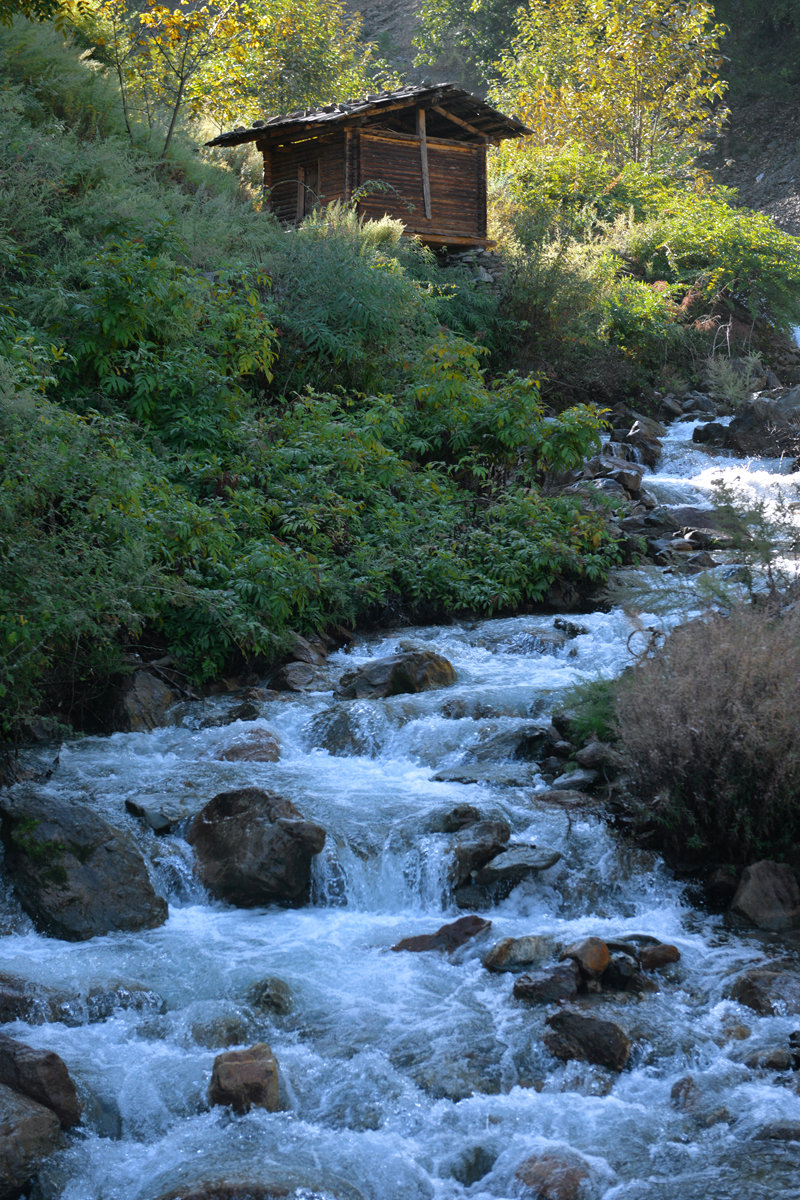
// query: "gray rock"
[[254, 847], [144, 702], [515, 774], [159, 815], [516, 863], [575, 781], [474, 846], [21, 1000], [74, 874], [413, 671], [41, 1075], [347, 730], [29, 1133], [300, 677], [768, 896]]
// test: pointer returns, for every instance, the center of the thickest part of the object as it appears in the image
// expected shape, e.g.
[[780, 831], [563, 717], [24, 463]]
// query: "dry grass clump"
[[711, 728]]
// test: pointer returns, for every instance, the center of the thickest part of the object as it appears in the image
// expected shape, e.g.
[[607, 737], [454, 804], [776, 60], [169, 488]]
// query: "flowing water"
[[409, 1076]]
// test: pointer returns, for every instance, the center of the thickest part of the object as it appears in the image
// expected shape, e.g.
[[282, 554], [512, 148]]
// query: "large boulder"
[[253, 847], [476, 845], [516, 863], [74, 874], [41, 1075], [245, 1079], [29, 1133], [411, 671], [768, 896], [584, 1036], [561, 982], [144, 702]]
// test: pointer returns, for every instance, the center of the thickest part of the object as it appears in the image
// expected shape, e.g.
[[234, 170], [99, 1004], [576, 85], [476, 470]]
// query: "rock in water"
[[75, 875], [414, 671], [768, 896], [41, 1075], [583, 1036], [771, 990], [544, 987], [449, 937], [548, 1177], [245, 1079], [29, 1132], [254, 847]]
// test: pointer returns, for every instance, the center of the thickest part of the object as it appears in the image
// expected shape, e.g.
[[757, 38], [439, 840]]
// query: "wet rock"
[[646, 444], [780, 1131], [459, 818], [414, 671], [536, 641], [516, 863], [651, 958], [628, 475], [347, 730], [243, 1190], [254, 847], [245, 1079], [305, 651], [259, 746], [591, 954], [22, 1000], [270, 995], [565, 798], [771, 990], [575, 781], [622, 975], [527, 743], [761, 430], [226, 1029], [476, 845], [685, 1094], [74, 874], [560, 982], [584, 1036], [246, 711], [448, 938], [41, 1075], [773, 1058], [300, 677], [768, 896], [600, 757], [516, 954], [551, 1177], [159, 815], [517, 774], [144, 703], [29, 1133]]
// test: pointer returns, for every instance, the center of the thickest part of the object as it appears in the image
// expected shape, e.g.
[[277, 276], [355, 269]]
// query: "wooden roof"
[[471, 118]]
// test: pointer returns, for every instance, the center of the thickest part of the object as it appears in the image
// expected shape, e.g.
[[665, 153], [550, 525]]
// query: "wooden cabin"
[[418, 154]]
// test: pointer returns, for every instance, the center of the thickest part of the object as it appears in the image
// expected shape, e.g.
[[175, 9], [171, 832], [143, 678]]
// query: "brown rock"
[[583, 1036], [270, 995], [768, 896], [592, 955], [449, 937], [412, 671], [222, 1189], [29, 1133], [259, 746], [548, 1177], [144, 702], [254, 848], [245, 1079], [42, 1076], [770, 991], [545, 987], [653, 957], [515, 954]]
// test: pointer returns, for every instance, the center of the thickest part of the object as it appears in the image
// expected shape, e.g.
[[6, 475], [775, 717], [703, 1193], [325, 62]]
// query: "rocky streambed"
[[369, 936]]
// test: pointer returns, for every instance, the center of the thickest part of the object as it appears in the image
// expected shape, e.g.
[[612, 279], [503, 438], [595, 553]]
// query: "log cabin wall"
[[457, 175], [305, 175]]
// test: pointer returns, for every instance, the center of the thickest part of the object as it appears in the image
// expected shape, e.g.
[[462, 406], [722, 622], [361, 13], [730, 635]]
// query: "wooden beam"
[[463, 124], [266, 182], [301, 194], [423, 158]]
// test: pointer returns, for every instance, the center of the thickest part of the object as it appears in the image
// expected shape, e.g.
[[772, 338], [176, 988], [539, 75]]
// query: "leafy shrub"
[[709, 725]]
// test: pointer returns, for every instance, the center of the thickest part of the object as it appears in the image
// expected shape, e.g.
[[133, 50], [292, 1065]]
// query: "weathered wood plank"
[[423, 159]]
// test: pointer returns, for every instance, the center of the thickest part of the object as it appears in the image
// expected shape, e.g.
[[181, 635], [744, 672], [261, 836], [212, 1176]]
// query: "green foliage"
[[464, 39], [635, 82], [592, 710]]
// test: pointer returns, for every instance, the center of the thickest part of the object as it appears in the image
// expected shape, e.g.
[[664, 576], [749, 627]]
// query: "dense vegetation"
[[216, 432]]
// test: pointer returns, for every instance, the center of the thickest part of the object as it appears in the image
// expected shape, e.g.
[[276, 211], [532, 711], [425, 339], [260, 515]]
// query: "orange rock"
[[245, 1079], [653, 957], [592, 955], [547, 1177]]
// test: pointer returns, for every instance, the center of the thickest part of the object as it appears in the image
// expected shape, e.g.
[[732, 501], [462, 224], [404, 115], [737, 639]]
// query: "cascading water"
[[408, 1076]]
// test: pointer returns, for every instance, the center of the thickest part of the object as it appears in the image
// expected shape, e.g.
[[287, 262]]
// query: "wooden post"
[[301, 194], [348, 165], [423, 158]]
